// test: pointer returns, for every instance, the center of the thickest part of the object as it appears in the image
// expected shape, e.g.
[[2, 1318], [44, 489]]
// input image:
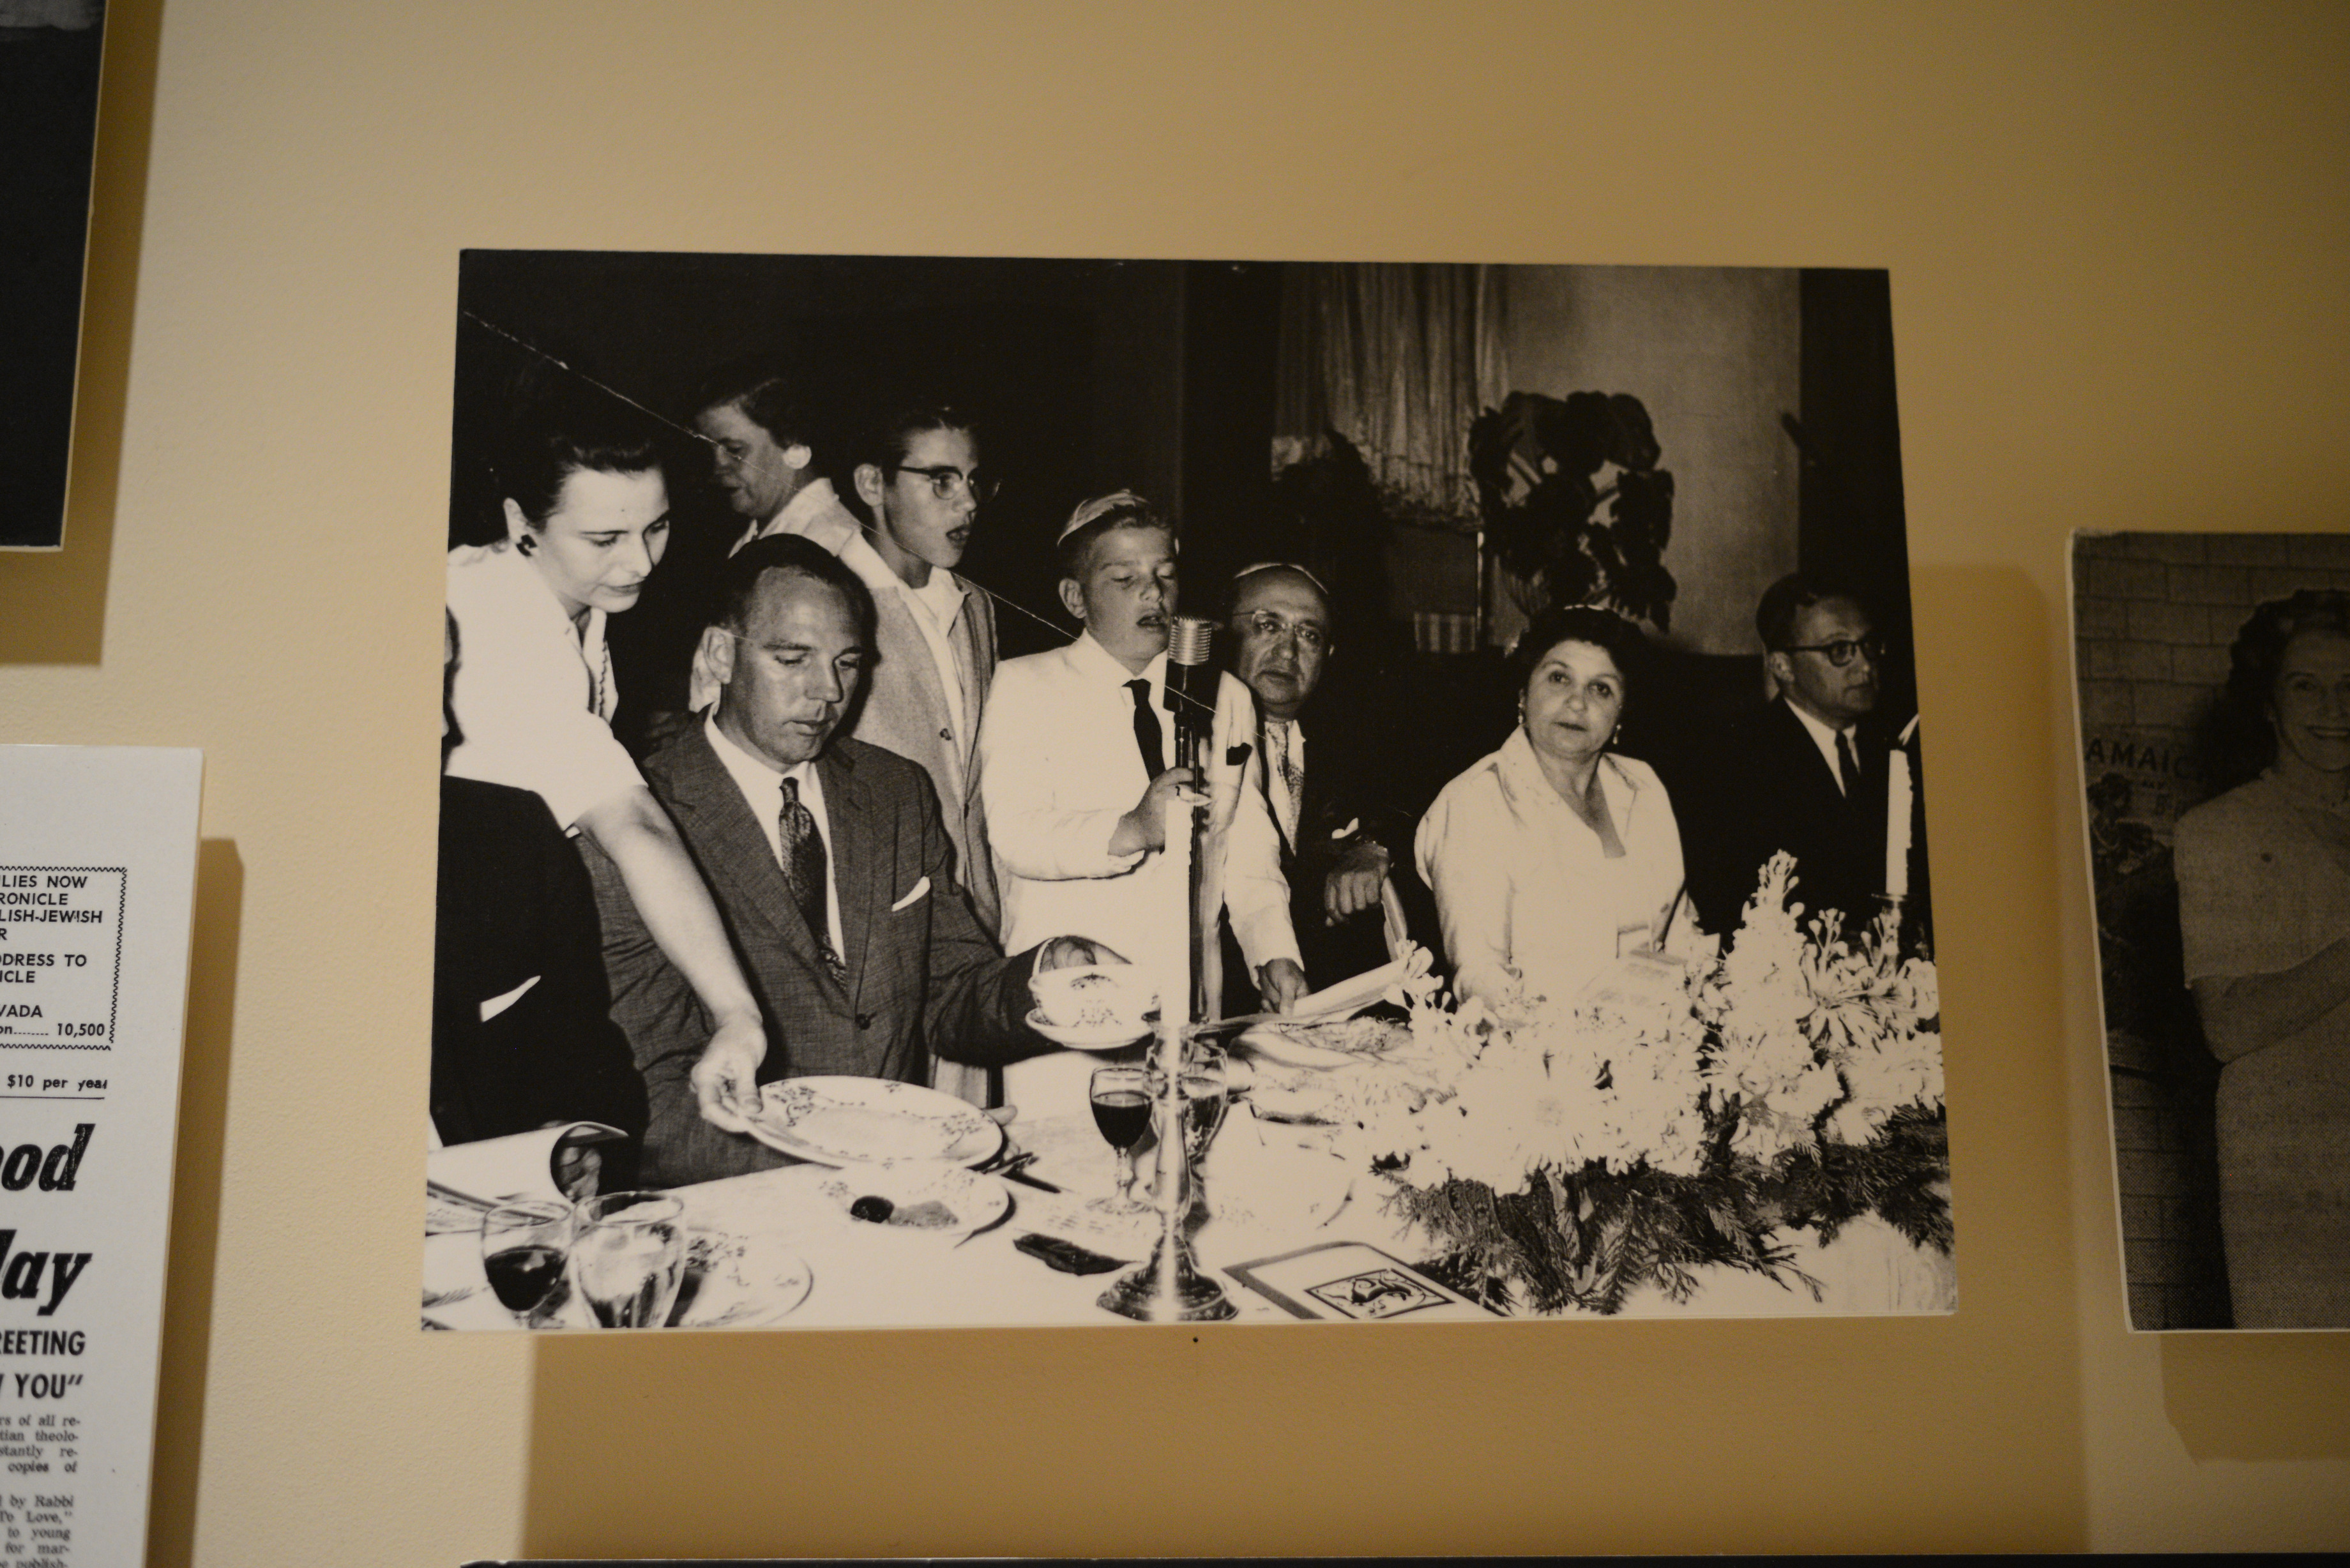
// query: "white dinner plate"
[[1090, 1037], [737, 1282], [918, 1197], [852, 1121], [1293, 1048]]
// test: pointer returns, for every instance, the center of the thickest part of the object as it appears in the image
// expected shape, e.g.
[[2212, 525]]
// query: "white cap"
[[1280, 566], [1100, 506]]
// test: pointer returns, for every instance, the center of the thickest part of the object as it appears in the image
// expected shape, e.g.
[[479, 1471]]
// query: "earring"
[[526, 544]]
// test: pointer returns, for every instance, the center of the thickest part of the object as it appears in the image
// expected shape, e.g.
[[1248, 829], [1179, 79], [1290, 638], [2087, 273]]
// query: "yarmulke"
[[1100, 506], [1281, 567]]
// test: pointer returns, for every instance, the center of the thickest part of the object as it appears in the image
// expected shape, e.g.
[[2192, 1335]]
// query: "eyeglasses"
[[1272, 627], [1839, 652], [945, 482]]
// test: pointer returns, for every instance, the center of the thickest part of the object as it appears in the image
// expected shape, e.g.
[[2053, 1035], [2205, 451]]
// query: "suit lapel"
[[974, 635], [856, 854], [1826, 793], [734, 847], [929, 685]]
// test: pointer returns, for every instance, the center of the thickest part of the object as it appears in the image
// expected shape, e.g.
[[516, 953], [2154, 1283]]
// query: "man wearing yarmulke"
[[1334, 847]]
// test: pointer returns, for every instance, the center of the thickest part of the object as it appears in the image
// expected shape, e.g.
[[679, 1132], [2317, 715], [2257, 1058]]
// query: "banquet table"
[[1272, 1188]]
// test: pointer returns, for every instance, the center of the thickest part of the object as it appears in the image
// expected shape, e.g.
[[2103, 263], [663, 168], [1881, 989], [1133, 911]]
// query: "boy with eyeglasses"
[[915, 472], [917, 477]]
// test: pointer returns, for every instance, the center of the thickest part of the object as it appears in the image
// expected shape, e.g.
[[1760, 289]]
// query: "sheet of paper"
[[97, 862]]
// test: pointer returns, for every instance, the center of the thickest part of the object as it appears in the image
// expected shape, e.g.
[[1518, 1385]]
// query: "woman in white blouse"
[[586, 514], [1553, 855]]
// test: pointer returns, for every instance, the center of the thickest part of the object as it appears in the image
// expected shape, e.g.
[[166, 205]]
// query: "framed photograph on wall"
[[2214, 673], [49, 56], [1052, 791]]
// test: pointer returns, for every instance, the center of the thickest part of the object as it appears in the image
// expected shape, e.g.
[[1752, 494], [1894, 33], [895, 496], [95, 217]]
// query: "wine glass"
[[1121, 1103], [524, 1245], [1206, 1088], [630, 1257], [1209, 1087]]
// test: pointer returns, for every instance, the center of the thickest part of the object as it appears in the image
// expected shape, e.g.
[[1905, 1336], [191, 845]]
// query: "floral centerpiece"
[[1690, 1113]]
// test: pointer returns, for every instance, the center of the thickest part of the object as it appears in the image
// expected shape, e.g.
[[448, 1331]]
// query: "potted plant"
[[1577, 510]]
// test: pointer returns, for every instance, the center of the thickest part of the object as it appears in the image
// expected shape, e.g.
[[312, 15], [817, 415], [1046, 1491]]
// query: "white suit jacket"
[[1058, 767]]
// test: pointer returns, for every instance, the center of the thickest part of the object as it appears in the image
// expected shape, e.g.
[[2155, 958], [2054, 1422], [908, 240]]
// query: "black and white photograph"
[[2214, 673], [1059, 792], [50, 57]]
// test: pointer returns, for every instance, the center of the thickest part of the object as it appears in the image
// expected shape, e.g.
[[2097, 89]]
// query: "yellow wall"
[[2117, 239]]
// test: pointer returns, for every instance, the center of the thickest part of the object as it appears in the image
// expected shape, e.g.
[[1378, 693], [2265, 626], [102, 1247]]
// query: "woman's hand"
[[726, 1079], [677, 910], [2249, 1012]]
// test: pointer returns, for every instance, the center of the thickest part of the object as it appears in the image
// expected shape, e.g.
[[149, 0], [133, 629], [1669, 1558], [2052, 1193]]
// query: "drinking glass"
[[629, 1257], [1209, 1087], [1122, 1106], [524, 1245], [1206, 1088]]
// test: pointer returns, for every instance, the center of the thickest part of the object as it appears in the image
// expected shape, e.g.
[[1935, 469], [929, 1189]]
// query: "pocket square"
[[920, 890], [498, 1004], [1353, 823]]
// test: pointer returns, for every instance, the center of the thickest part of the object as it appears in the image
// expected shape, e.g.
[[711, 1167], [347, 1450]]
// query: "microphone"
[[1192, 682]]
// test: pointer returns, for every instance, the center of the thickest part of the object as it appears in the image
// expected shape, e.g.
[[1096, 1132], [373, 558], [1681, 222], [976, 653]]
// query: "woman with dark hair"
[[586, 514], [522, 1030], [2264, 912], [1553, 855]]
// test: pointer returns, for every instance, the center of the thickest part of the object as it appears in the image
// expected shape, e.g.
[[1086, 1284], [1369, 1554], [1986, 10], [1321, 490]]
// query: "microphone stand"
[[1169, 1287]]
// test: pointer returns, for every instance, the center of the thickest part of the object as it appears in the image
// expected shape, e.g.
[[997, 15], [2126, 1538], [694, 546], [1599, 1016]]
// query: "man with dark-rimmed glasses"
[[1809, 773]]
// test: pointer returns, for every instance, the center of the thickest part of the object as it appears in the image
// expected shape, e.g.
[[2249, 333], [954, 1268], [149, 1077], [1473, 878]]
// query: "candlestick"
[[1169, 1286], [1898, 797]]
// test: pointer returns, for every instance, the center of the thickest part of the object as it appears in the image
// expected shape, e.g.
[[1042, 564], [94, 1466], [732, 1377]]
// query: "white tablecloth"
[[1272, 1187]]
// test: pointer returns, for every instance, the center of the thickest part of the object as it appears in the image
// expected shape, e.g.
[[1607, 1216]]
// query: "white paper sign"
[[98, 861]]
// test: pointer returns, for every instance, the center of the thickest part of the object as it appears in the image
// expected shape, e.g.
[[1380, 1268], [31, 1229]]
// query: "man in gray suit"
[[916, 473], [831, 868]]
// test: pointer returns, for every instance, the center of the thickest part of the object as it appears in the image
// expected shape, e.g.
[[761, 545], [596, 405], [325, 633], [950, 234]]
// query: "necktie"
[[1289, 801], [1848, 766], [1147, 737], [804, 872]]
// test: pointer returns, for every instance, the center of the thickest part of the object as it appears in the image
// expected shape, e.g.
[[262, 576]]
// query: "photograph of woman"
[[2228, 1033], [2264, 911]]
